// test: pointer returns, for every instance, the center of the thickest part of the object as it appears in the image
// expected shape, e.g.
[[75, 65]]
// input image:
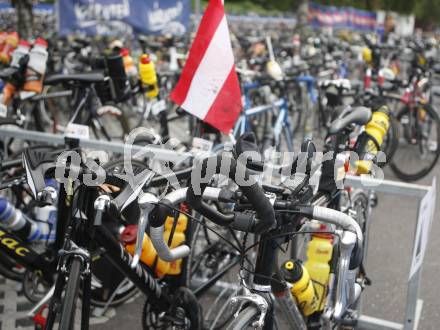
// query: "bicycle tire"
[[391, 142], [395, 166], [190, 273], [71, 295], [244, 319], [52, 113]]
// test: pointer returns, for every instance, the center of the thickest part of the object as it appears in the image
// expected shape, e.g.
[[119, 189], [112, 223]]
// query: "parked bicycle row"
[[255, 229]]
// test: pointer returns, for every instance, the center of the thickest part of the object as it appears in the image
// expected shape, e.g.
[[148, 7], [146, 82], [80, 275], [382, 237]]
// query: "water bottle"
[[3, 36], [287, 303], [149, 254], [179, 238], [148, 76], [371, 140], [36, 67], [7, 95], [129, 66], [319, 254], [28, 230], [302, 286], [21, 50], [11, 41], [367, 78]]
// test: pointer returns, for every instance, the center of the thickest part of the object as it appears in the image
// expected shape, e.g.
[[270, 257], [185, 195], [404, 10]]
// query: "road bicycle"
[[258, 306]]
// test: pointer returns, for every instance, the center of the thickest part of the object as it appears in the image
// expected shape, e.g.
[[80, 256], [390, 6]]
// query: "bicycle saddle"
[[38, 161], [343, 84], [246, 143], [357, 115], [85, 78]]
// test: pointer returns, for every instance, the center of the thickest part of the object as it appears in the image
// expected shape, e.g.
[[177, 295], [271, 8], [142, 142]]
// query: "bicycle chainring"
[[185, 313]]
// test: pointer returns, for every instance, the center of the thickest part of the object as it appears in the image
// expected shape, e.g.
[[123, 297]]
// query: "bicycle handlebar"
[[250, 188], [162, 211]]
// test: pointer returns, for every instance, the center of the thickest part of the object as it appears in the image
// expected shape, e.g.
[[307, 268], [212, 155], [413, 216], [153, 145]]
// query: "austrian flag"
[[208, 87]]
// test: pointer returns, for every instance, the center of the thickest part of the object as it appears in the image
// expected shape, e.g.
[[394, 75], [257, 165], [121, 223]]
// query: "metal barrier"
[[117, 147], [426, 204]]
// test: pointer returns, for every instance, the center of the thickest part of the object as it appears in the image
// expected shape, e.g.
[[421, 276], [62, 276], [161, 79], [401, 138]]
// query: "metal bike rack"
[[117, 147], [426, 199]]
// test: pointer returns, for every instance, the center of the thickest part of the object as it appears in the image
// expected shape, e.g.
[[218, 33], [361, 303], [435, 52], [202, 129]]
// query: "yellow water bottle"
[[302, 287], [179, 237], [149, 254], [375, 130], [319, 254], [11, 41], [147, 73]]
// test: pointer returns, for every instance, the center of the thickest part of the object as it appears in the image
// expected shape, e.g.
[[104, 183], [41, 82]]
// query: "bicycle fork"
[[60, 283]]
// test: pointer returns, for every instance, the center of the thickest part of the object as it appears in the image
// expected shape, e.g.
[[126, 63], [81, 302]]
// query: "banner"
[[341, 18], [122, 17]]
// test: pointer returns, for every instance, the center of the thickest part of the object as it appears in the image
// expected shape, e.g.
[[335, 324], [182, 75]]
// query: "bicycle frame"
[[85, 235], [26, 256], [282, 120]]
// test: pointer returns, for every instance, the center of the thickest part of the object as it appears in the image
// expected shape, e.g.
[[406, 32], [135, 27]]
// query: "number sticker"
[[3, 110], [77, 131], [24, 95], [201, 145], [158, 107]]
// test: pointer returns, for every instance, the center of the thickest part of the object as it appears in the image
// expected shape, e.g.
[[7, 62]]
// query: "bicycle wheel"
[[71, 295], [185, 313], [418, 150], [212, 261], [361, 206], [391, 140], [245, 319], [52, 114]]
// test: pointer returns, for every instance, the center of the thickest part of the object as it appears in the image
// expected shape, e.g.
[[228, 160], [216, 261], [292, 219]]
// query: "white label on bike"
[[3, 110], [424, 223], [77, 131], [24, 95], [201, 145], [158, 107]]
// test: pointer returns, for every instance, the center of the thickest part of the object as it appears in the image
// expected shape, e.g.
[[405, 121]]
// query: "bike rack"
[[424, 194], [426, 204], [117, 147]]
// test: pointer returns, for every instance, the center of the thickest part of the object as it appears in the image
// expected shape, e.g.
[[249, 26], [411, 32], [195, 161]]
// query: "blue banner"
[[123, 17], [341, 17]]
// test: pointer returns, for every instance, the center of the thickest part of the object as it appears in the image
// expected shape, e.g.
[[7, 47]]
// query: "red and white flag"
[[208, 87]]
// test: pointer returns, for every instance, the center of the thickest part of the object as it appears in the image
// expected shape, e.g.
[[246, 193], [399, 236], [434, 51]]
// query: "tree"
[[301, 15]]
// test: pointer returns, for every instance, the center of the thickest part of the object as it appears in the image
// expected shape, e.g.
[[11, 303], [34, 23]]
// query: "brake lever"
[[147, 202]]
